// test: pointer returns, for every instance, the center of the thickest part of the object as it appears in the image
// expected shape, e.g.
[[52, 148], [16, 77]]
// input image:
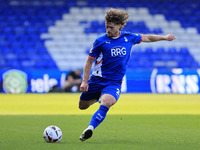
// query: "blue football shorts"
[[99, 86]]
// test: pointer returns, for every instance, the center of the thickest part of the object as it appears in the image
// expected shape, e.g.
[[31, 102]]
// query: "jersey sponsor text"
[[118, 51]]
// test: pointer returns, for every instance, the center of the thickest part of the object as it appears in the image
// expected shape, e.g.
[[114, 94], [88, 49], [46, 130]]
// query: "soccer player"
[[111, 53]]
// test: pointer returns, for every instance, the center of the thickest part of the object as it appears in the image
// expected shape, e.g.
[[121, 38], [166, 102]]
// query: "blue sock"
[[99, 116]]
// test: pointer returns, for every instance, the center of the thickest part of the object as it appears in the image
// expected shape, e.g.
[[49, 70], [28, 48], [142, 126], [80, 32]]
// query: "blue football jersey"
[[112, 55]]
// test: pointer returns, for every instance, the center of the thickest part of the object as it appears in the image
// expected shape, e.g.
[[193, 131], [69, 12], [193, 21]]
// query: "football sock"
[[90, 127], [99, 116]]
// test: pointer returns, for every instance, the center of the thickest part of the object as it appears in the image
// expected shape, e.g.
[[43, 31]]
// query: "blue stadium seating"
[[23, 22], [20, 29]]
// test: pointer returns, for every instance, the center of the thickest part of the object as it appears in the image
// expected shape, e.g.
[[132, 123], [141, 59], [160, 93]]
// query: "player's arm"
[[154, 38], [86, 74]]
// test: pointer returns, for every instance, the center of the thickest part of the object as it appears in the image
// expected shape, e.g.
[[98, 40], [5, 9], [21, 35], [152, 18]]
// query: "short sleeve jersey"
[[112, 55]]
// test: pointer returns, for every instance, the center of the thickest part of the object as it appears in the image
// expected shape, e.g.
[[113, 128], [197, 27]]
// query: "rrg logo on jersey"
[[118, 51]]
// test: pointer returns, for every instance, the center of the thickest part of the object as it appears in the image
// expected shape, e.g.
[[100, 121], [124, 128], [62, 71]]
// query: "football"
[[52, 134]]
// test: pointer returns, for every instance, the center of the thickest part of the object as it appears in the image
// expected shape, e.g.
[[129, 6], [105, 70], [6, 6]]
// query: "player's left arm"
[[154, 38]]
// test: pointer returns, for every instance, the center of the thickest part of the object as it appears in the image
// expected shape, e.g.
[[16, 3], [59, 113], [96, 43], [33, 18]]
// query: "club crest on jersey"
[[126, 40], [118, 51]]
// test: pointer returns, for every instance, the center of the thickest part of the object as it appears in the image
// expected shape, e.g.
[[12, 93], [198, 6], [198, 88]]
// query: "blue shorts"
[[99, 86]]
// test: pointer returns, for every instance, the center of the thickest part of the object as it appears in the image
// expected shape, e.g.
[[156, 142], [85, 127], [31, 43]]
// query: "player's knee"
[[108, 103]]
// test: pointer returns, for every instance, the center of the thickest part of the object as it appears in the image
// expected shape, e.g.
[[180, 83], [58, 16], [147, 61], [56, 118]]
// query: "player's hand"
[[84, 87], [170, 37]]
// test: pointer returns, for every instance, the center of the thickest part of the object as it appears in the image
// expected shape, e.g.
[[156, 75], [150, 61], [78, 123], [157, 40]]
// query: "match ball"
[[52, 134]]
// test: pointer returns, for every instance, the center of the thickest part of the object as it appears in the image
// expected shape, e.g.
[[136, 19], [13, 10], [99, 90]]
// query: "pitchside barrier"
[[182, 81]]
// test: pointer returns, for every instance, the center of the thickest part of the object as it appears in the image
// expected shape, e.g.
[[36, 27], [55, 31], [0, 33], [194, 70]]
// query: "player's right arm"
[[86, 74]]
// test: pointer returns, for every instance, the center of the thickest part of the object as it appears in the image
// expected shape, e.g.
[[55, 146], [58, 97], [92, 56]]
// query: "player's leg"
[[85, 104], [109, 96], [107, 101]]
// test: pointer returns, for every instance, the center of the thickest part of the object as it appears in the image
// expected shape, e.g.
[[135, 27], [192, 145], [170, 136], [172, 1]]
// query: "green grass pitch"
[[135, 122]]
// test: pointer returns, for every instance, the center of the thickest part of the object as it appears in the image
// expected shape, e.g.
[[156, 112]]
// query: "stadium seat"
[[54, 30]]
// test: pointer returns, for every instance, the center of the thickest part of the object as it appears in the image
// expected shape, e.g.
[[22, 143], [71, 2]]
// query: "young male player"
[[111, 53]]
